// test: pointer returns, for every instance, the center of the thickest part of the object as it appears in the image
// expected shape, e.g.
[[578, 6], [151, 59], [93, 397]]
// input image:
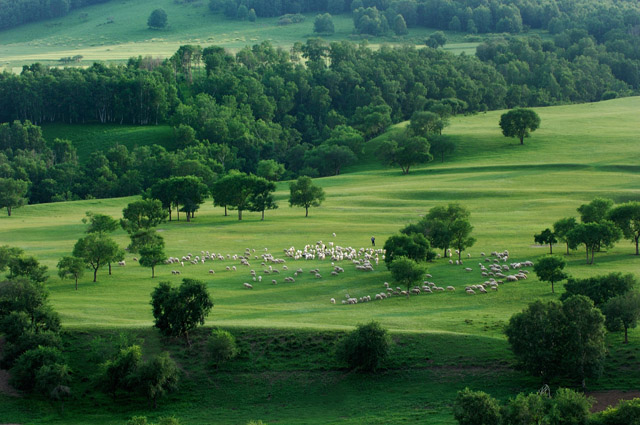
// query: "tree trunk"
[[522, 140], [155, 403], [153, 271], [109, 269], [626, 339], [567, 248], [587, 255], [306, 211], [550, 248], [225, 210], [239, 214], [76, 283], [95, 274], [637, 238], [186, 335], [592, 254], [262, 219], [442, 156], [169, 213], [552, 290], [188, 217], [9, 211], [178, 211]]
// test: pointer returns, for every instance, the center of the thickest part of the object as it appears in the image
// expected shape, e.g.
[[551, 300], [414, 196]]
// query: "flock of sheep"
[[363, 259]]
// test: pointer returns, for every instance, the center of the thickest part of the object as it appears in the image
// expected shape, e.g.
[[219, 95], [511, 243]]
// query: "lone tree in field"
[[546, 237], [142, 214], [12, 193], [407, 272], [323, 24], [151, 256], [519, 123], [627, 218], [549, 269], [623, 312], [405, 150], [96, 251], [157, 19], [71, 267], [179, 310], [303, 193]]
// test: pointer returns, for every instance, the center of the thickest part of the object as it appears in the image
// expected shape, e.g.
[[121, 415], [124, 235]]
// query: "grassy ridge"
[[128, 35], [444, 341]]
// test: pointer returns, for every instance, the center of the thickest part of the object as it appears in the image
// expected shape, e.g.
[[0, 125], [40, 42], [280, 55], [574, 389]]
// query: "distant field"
[[128, 35], [446, 341]]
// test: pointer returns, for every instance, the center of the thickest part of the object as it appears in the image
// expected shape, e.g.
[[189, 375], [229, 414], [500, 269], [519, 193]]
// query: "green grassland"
[[128, 35], [445, 341]]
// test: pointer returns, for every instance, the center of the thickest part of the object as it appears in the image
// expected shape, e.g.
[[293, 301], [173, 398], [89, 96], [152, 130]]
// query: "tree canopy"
[[303, 193], [157, 19], [519, 123]]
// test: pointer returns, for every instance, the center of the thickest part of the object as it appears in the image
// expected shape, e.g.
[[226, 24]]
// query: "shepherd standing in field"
[[373, 241]]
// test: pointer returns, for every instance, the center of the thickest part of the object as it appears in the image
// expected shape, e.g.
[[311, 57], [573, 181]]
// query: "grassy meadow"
[[444, 341], [93, 37]]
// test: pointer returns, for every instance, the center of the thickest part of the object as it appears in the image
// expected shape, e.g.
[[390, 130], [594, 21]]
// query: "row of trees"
[[17, 12], [601, 225]]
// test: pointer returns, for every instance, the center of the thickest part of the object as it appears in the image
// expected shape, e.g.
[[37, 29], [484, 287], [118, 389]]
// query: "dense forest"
[[18, 12], [310, 110]]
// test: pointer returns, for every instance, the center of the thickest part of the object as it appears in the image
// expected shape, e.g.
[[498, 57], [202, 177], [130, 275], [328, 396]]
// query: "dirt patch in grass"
[[605, 399]]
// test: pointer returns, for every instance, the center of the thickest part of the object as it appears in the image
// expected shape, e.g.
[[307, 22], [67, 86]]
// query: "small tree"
[[622, 312], [627, 218], [100, 223], [405, 150], [595, 211], [261, 198], [594, 236], [157, 19], [562, 227], [179, 310], [365, 348], [157, 377], [476, 408], [414, 246], [399, 25], [151, 256], [142, 214], [120, 372], [96, 251], [407, 272], [600, 289], [26, 367], [461, 238], [546, 237], [71, 267], [13, 193], [270, 169], [549, 269], [519, 123], [144, 237], [304, 193], [436, 40], [221, 346]]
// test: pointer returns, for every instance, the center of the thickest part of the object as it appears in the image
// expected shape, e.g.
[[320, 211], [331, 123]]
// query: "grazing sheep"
[[259, 278], [332, 300], [469, 269], [470, 291], [428, 276], [450, 288], [212, 272], [450, 261], [248, 285], [228, 268], [121, 263], [135, 258]]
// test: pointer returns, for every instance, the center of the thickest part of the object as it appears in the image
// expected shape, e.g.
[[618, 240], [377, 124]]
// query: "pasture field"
[[445, 341], [128, 35]]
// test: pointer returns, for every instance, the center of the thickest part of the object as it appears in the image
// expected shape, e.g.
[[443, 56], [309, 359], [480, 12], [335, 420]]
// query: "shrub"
[[476, 408], [365, 348], [221, 346], [627, 412], [23, 373]]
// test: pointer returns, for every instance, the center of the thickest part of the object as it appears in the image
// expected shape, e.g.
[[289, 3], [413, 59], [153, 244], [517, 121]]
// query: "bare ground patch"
[[605, 399]]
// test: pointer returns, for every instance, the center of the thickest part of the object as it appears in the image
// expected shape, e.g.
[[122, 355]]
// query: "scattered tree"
[[12, 193], [549, 269], [270, 169], [627, 218], [461, 238], [561, 229], [261, 198], [120, 372], [595, 211], [157, 377], [323, 24], [179, 310], [622, 312], [414, 246], [100, 224], [441, 146], [151, 256], [142, 214], [436, 40], [365, 348], [157, 19], [27, 267], [71, 267], [594, 236], [519, 123], [303, 193], [399, 25], [405, 150], [96, 251], [406, 271], [546, 237]]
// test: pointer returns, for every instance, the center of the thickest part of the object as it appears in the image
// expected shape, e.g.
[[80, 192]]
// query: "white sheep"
[[248, 285], [332, 300]]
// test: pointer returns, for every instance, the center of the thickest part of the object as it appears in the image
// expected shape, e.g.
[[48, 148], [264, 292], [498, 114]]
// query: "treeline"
[[18, 12]]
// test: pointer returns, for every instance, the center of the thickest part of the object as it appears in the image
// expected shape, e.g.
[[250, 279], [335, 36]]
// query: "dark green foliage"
[[627, 412], [323, 24], [100, 223], [594, 236], [29, 340], [27, 267], [27, 366], [519, 123], [179, 310], [97, 251], [435, 40], [12, 193], [50, 376], [142, 214], [303, 193], [157, 19], [600, 289], [525, 409], [566, 407], [595, 211], [221, 346], [569, 408], [145, 237], [627, 218], [400, 26], [120, 373], [414, 246], [72, 267], [622, 312], [366, 348], [151, 256], [261, 197], [406, 271], [157, 377], [404, 150], [546, 237], [561, 229], [553, 340], [476, 408], [440, 146], [549, 269]]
